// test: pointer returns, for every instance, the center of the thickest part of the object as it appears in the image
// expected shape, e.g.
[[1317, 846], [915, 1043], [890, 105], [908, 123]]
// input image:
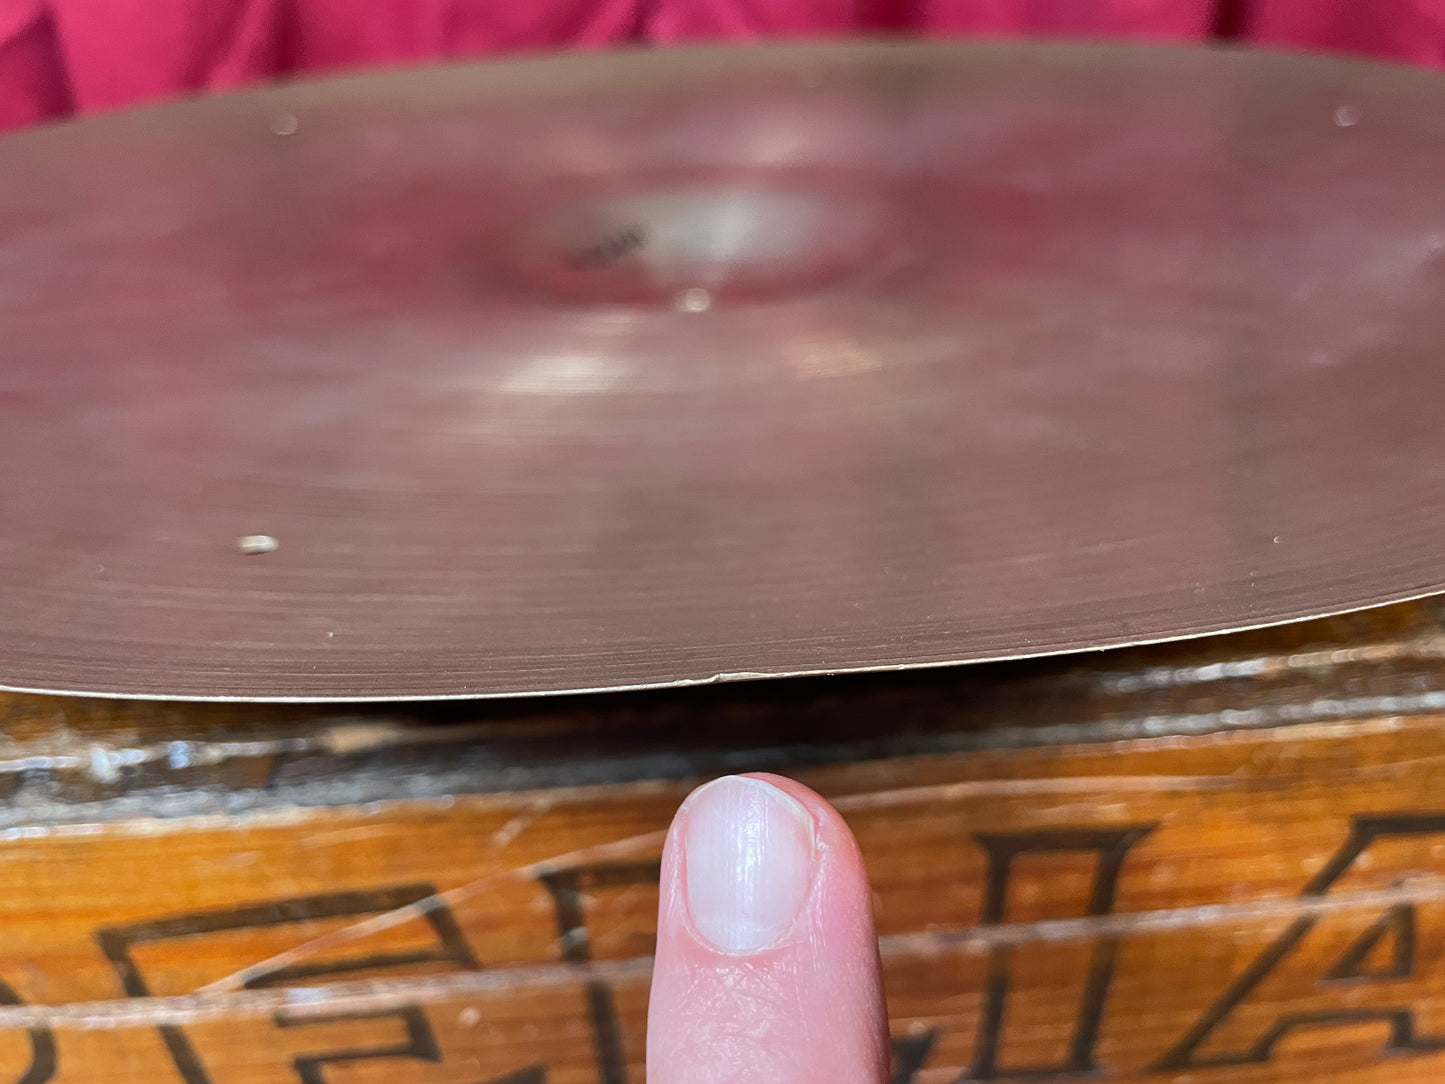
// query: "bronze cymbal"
[[658, 368]]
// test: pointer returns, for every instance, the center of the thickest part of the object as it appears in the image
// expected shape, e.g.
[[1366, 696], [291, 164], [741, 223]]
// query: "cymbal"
[[658, 368]]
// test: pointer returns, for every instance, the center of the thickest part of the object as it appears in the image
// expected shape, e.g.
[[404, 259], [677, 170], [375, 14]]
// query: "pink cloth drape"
[[63, 56]]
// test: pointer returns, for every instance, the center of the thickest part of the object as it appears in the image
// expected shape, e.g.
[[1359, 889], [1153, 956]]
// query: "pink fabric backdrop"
[[64, 56]]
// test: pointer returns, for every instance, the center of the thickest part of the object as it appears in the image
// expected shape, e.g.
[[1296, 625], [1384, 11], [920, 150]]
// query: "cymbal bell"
[[650, 369]]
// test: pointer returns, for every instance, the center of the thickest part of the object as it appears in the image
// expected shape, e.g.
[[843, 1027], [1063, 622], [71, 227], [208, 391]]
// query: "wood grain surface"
[[1222, 861]]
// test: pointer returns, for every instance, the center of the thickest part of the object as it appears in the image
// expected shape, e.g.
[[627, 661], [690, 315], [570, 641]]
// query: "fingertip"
[[749, 856], [767, 961]]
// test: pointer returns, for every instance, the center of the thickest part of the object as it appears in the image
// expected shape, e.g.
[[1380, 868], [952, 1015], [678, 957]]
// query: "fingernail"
[[748, 849]]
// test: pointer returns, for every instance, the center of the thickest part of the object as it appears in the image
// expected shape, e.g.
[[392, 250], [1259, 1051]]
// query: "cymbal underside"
[[651, 369]]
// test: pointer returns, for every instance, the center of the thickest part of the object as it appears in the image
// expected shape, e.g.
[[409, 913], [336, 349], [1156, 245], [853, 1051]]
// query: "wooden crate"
[[1216, 861]]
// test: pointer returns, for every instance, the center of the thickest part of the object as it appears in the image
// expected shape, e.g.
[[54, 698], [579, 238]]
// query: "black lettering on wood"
[[117, 943], [1111, 846], [1364, 831], [566, 887], [1398, 924], [43, 1059], [420, 1042], [1402, 1038], [909, 1054]]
